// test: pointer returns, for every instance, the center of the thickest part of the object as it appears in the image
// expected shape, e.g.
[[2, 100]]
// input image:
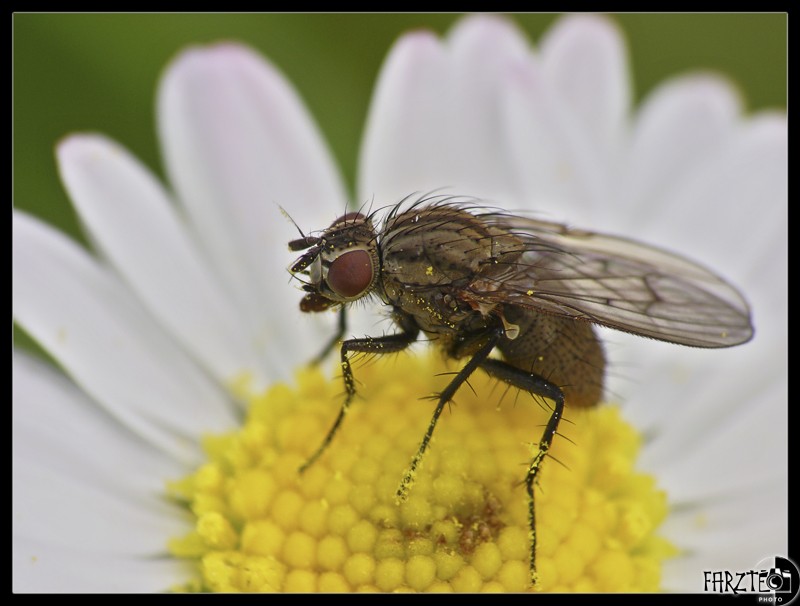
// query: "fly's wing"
[[613, 282]]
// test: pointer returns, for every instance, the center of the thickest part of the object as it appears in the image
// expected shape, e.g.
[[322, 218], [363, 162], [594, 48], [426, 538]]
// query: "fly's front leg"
[[376, 345], [536, 385], [341, 328]]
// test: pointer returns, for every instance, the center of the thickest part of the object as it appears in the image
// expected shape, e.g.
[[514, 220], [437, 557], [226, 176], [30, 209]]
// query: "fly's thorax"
[[443, 245], [437, 311], [430, 257]]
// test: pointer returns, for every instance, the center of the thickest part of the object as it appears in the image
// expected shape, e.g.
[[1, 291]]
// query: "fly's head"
[[339, 266]]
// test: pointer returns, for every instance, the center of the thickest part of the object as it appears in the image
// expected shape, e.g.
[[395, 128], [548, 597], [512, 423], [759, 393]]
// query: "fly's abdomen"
[[562, 350]]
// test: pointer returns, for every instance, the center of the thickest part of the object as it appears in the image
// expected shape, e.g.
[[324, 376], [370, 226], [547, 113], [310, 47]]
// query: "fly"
[[475, 279]]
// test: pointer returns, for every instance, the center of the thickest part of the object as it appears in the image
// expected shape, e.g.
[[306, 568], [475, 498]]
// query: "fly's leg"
[[375, 345], [534, 384], [340, 330], [443, 398]]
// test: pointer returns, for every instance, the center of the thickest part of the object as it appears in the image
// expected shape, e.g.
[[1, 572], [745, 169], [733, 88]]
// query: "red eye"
[[350, 274]]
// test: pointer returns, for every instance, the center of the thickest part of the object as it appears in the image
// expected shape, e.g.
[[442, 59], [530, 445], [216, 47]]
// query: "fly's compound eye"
[[351, 274]]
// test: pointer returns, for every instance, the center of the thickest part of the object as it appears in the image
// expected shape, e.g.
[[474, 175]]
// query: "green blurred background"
[[99, 72]]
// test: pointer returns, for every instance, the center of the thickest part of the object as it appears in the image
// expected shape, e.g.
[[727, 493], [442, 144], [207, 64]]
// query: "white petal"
[[45, 568], [52, 507], [94, 327], [732, 217], [681, 124], [435, 118], [81, 482], [727, 444], [238, 144], [584, 57], [134, 223], [409, 92], [731, 534], [559, 173], [720, 450], [58, 427], [735, 195]]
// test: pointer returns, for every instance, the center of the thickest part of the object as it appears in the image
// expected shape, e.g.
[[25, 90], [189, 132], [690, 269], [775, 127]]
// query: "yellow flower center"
[[259, 525]]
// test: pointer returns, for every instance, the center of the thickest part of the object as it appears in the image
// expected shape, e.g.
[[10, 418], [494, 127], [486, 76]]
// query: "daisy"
[[165, 455]]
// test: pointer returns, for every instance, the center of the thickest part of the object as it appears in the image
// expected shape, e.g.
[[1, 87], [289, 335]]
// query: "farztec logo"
[[772, 581]]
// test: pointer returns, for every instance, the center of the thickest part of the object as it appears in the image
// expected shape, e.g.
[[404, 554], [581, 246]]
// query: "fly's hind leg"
[[534, 384]]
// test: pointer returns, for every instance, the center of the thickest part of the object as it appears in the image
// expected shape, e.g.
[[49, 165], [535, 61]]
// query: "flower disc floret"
[[260, 525]]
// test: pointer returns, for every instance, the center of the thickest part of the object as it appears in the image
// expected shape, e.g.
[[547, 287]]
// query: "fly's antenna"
[[288, 216]]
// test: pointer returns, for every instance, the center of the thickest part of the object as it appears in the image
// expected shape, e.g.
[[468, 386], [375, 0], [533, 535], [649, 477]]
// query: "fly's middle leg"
[[477, 359]]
